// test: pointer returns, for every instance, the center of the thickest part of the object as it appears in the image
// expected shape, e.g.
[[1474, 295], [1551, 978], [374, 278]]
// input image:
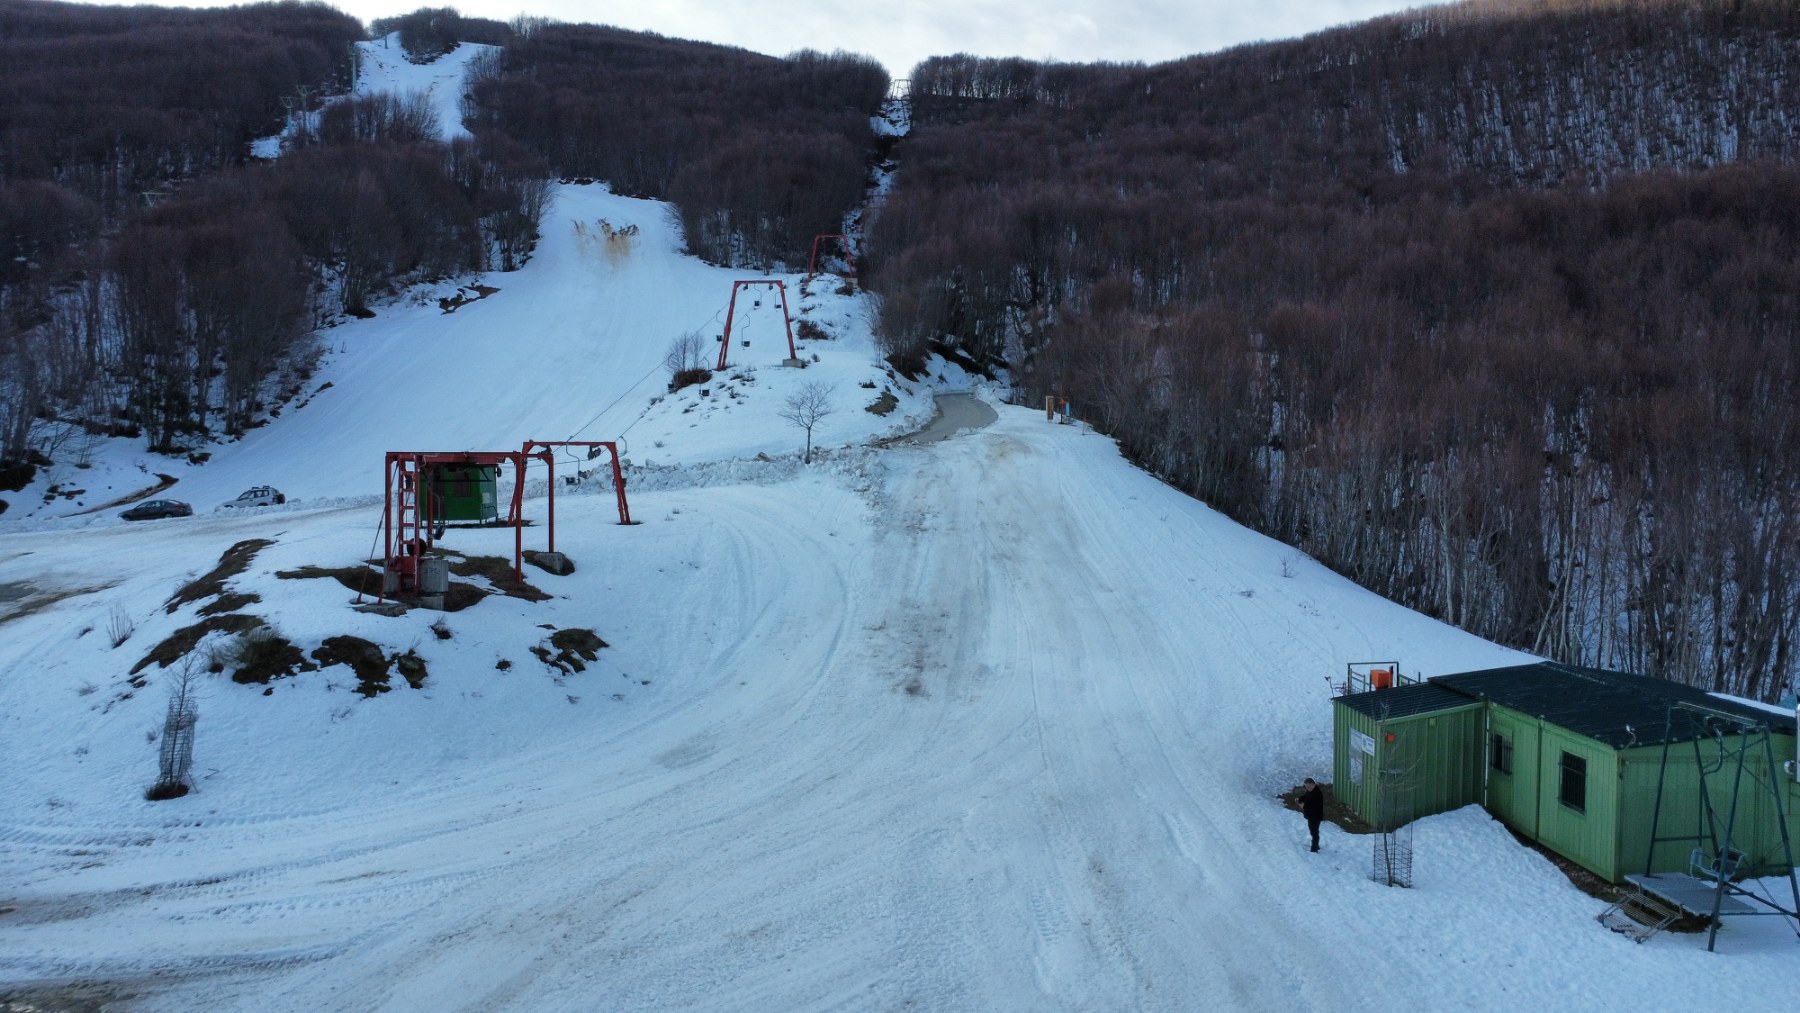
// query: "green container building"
[[1407, 752], [465, 492], [1591, 764]]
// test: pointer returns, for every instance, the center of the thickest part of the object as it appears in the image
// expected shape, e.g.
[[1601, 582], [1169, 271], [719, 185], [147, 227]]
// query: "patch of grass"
[[808, 331], [884, 404], [363, 657], [361, 579], [570, 650], [262, 655], [178, 644], [234, 561], [586, 643], [232, 601], [496, 571], [460, 596]]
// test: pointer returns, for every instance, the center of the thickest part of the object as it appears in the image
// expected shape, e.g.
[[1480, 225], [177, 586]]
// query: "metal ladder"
[[1639, 915]]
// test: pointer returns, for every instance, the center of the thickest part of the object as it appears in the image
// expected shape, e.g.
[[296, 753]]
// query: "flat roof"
[[1615, 708], [1406, 701]]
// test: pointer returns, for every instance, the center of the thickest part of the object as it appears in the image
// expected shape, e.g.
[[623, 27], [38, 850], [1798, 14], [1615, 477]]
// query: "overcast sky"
[[900, 33]]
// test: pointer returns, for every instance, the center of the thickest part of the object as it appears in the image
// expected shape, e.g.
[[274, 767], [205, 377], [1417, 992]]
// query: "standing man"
[[1312, 806]]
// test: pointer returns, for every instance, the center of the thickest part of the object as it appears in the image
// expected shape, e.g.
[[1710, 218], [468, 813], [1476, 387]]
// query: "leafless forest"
[[156, 281], [1492, 309], [759, 154]]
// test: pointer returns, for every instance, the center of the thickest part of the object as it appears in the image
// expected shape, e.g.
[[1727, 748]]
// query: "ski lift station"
[[1638, 780]]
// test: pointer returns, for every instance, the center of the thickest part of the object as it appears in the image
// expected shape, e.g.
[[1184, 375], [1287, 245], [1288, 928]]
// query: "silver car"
[[262, 495]]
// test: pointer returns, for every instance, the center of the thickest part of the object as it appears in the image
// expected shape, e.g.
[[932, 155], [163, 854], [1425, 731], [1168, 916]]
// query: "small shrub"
[[176, 757], [119, 626], [688, 378], [260, 654]]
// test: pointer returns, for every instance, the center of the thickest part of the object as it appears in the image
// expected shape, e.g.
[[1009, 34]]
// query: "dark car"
[[151, 509]]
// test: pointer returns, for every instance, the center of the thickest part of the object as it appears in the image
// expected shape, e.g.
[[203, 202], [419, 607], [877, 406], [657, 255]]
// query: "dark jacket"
[[1312, 803]]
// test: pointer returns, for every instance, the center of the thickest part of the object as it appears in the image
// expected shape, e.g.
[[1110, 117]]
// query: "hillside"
[[995, 723], [1485, 306]]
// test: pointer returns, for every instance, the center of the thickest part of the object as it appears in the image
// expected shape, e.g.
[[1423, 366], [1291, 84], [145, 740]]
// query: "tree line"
[[111, 102], [156, 280], [160, 289], [759, 154], [1447, 300]]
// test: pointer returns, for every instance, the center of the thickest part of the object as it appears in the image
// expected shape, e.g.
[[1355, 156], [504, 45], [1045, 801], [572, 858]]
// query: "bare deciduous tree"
[[805, 408], [176, 755]]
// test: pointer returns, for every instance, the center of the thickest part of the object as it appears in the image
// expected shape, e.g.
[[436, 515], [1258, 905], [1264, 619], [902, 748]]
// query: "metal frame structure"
[[408, 531], [1363, 676], [813, 264], [1715, 864], [594, 448], [731, 312]]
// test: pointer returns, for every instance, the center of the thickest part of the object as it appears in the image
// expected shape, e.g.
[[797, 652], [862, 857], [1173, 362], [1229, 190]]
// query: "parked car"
[[262, 495], [151, 509]]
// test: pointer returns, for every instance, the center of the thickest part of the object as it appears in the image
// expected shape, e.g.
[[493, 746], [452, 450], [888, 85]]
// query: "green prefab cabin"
[[465, 492], [1407, 752], [1619, 773]]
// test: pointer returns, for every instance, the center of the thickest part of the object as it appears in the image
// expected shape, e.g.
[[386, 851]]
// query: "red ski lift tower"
[[849, 260], [731, 312], [413, 518], [594, 448]]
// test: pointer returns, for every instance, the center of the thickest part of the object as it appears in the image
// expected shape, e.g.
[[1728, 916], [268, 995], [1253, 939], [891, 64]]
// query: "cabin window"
[[1574, 782], [1500, 754]]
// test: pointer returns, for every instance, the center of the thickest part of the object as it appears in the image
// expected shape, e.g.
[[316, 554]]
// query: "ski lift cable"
[[615, 401], [583, 427]]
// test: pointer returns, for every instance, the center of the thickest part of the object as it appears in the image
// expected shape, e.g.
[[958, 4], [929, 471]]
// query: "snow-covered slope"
[[992, 723], [383, 68]]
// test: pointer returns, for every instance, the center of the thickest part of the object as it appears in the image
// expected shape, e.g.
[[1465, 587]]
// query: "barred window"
[[1574, 782]]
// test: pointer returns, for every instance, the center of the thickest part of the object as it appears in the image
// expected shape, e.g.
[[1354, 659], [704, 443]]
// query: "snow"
[[382, 67], [991, 722]]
